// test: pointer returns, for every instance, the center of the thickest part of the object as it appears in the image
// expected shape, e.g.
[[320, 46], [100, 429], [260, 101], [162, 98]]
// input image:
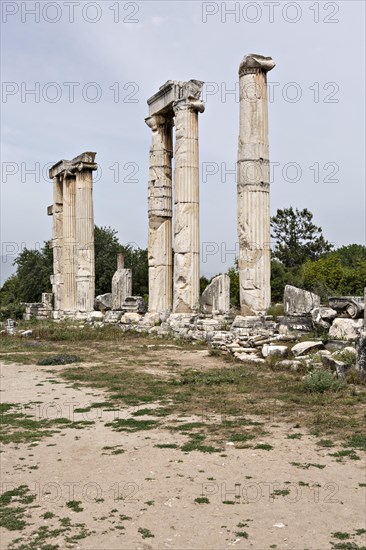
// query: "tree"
[[297, 238], [106, 247], [34, 268], [234, 285], [204, 282], [136, 259], [332, 275], [9, 302]]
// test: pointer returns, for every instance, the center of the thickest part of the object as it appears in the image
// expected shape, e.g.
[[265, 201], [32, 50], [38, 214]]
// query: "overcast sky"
[[93, 65]]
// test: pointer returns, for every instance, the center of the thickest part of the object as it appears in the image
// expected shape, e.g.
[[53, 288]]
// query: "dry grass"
[[225, 393]]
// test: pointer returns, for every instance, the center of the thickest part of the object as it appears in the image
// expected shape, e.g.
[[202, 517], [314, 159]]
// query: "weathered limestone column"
[[253, 214], [160, 214], [186, 205], [57, 242], [85, 263], [121, 284], [68, 299]]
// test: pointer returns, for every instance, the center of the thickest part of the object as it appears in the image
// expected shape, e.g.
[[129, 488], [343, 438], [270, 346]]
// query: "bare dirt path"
[[134, 495]]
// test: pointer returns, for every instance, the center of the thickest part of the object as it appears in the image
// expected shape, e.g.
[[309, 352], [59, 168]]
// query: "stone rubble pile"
[[39, 310]]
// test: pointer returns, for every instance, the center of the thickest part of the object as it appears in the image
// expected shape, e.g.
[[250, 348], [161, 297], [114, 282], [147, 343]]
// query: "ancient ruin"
[[176, 103], [73, 280], [175, 306], [253, 215], [121, 284]]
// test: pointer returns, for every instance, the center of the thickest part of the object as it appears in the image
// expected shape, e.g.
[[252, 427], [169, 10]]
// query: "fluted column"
[[160, 215], [68, 301], [57, 243], [85, 264], [253, 213], [186, 207]]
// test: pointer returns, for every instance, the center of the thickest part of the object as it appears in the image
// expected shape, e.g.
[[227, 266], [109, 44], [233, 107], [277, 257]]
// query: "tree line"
[[301, 256]]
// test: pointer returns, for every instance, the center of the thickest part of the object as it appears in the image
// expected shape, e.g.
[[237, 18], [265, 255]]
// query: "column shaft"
[[160, 215], [68, 303], [186, 208], [57, 243], [85, 273], [253, 209]]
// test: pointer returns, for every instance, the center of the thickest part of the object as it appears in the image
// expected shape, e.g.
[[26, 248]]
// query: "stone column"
[[121, 284], [186, 207], [57, 243], [160, 215], [253, 214], [85, 264], [68, 301]]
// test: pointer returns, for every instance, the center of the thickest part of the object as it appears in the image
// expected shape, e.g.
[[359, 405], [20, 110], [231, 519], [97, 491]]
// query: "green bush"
[[59, 360], [320, 381]]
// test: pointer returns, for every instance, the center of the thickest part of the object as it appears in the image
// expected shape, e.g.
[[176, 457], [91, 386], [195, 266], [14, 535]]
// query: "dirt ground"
[[134, 495]]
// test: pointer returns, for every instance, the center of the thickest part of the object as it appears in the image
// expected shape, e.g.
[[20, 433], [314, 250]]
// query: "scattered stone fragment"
[[361, 352], [323, 316], [302, 348], [298, 301], [103, 302], [346, 329], [216, 296], [280, 351]]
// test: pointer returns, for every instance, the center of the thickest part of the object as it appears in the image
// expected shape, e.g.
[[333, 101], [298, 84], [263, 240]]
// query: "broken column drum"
[[175, 103], [253, 214], [121, 284]]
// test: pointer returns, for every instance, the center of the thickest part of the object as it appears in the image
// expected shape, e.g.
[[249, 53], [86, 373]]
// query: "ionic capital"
[[188, 104], [159, 121], [255, 63], [83, 167]]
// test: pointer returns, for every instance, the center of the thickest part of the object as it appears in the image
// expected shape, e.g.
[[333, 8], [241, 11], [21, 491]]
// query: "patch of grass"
[[115, 450], [347, 546], [202, 500], [132, 425], [167, 446], [63, 359], [276, 310], [12, 517], [280, 493], [241, 437], [4, 407], [122, 372], [48, 515], [145, 533], [264, 446], [75, 505], [228, 502], [213, 377], [327, 443], [340, 535], [320, 381], [346, 453], [294, 436], [242, 534], [161, 411], [357, 441], [195, 444], [307, 465]]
